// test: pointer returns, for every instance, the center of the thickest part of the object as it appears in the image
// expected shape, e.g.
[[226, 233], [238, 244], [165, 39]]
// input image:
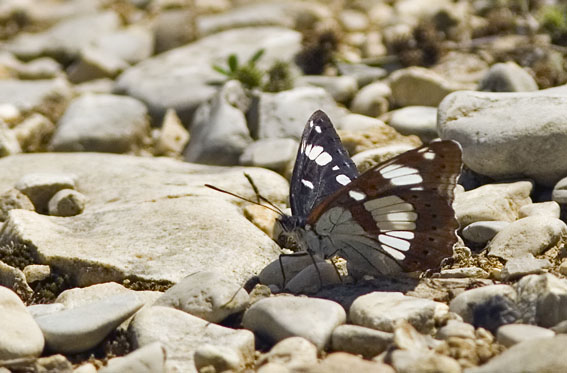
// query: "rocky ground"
[[114, 257]]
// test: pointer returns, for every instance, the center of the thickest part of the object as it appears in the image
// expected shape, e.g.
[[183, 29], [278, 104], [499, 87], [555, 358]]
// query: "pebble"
[[381, 310], [417, 86], [456, 328], [32, 132], [364, 74], [207, 295], [293, 353], [37, 310], [292, 265], [8, 142], [507, 77], [181, 334], [312, 278], [173, 28], [173, 137], [101, 123], [532, 235], [519, 267], [559, 193], [93, 64], [219, 133], [40, 187], [369, 158], [491, 127], [131, 44], [261, 153], [405, 361], [372, 100], [511, 334], [483, 231], [13, 199], [498, 202], [339, 362], [36, 272], [83, 327], [341, 88], [276, 318], [20, 337], [415, 120], [66, 202], [549, 208], [542, 299], [463, 272], [219, 358], [560, 328], [360, 340], [536, 355], [488, 307], [146, 359], [14, 279]]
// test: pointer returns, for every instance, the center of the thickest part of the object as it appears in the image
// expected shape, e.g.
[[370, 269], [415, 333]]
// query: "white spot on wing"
[[402, 234], [398, 207], [314, 152], [335, 168], [407, 180], [394, 242], [307, 149], [416, 188], [318, 129], [307, 183], [342, 179], [382, 202], [395, 216], [430, 156], [358, 196], [395, 225], [392, 173], [323, 159], [393, 252], [310, 123]]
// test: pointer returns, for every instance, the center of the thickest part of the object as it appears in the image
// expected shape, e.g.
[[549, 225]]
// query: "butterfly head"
[[288, 232]]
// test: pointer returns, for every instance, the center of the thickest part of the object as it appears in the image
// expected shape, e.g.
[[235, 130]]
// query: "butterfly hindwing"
[[400, 208], [322, 166]]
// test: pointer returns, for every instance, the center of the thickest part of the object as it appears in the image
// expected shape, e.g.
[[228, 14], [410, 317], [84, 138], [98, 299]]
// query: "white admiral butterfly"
[[397, 216]]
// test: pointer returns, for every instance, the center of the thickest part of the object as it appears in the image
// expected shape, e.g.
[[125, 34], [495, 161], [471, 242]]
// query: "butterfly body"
[[395, 217]]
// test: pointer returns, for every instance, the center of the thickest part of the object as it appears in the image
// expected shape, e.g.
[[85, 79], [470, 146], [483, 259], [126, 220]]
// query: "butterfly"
[[396, 216]]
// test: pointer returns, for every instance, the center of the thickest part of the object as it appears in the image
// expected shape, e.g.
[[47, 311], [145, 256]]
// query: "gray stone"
[[292, 265], [162, 81], [40, 187], [498, 202], [20, 337], [310, 279], [37, 310], [363, 73], [219, 358], [549, 208], [219, 133], [340, 362], [207, 295], [507, 77], [32, 132], [66, 202], [81, 328], [359, 123], [146, 359], [538, 355], [293, 353], [341, 88], [13, 199], [532, 235], [95, 64], [455, 328], [102, 123], [406, 337], [173, 28], [488, 307], [483, 231], [463, 272], [422, 361], [54, 363], [511, 334], [36, 272], [354, 20], [519, 267], [559, 193], [360, 340], [65, 39], [48, 97], [415, 120], [372, 100], [274, 154], [381, 310], [560, 328], [132, 44], [284, 114], [181, 334], [542, 299], [419, 86], [40, 68], [8, 141], [98, 86], [155, 221], [508, 135], [276, 318], [14, 279], [173, 137]]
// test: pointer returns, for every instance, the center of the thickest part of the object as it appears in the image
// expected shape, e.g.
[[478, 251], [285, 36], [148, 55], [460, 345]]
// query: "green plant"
[[248, 74], [553, 19], [279, 77]]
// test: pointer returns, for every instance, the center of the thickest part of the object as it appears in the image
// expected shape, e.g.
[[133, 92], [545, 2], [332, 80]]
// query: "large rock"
[[162, 81], [146, 218], [508, 135]]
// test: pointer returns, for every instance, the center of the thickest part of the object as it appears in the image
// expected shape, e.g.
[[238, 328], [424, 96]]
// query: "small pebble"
[[549, 208], [360, 340], [293, 353], [41, 187], [36, 272], [219, 358], [511, 334]]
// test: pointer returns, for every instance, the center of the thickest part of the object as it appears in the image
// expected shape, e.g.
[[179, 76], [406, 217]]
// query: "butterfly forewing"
[[322, 166], [402, 208]]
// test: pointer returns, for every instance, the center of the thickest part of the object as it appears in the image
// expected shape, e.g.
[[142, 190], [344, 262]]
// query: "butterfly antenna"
[[277, 211], [259, 196]]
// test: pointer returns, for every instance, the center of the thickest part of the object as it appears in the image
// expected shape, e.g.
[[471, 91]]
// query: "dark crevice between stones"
[[140, 284]]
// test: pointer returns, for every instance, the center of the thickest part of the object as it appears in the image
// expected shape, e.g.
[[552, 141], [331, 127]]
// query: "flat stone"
[[532, 235], [538, 355], [381, 310], [415, 120], [455, 328], [511, 334], [519, 267], [338, 362], [132, 44], [207, 295], [549, 208], [507, 77], [542, 299], [101, 123], [95, 64], [20, 337], [14, 279], [341, 88], [372, 100], [496, 133], [40, 187], [488, 306], [309, 280], [464, 272], [81, 328], [483, 231], [162, 81], [364, 74], [154, 219], [422, 360], [498, 202], [37, 310], [294, 353], [13, 199], [276, 318], [146, 359], [359, 340], [292, 265], [181, 334], [261, 154]]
